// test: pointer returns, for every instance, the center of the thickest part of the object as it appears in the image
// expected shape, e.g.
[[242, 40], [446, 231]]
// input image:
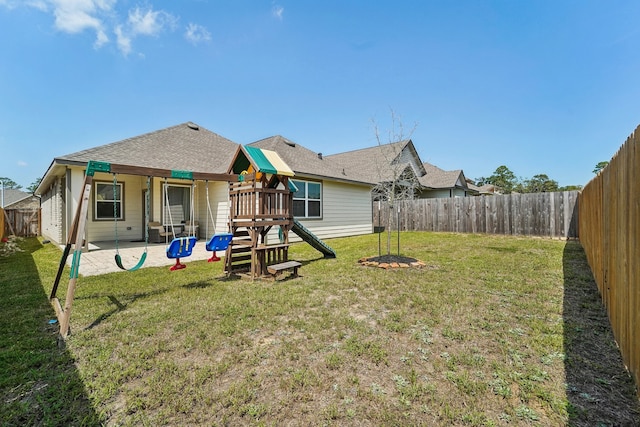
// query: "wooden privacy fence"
[[536, 214], [609, 233], [22, 222]]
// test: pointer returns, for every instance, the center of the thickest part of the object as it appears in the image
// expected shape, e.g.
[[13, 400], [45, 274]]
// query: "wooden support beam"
[[70, 239], [79, 221], [168, 173]]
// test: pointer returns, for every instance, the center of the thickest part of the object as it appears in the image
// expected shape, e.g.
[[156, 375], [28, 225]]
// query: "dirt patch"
[[391, 261]]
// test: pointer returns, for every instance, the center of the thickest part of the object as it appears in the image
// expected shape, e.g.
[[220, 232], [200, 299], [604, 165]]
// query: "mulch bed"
[[391, 261]]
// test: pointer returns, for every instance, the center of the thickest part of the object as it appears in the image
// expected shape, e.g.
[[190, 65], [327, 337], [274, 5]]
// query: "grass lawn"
[[493, 331]]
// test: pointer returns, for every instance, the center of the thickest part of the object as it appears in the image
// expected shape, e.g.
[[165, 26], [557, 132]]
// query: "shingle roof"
[[306, 162], [485, 189], [11, 196], [375, 164], [439, 178], [186, 146]]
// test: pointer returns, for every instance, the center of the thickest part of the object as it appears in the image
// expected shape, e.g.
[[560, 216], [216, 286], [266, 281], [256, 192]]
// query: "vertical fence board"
[[609, 227], [634, 256], [539, 214]]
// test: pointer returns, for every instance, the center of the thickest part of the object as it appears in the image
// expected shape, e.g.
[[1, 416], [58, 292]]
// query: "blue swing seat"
[[219, 242], [181, 247]]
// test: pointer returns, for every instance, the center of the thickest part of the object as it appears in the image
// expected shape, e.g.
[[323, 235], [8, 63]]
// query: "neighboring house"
[[483, 190], [384, 164], [400, 161], [17, 199], [331, 202], [438, 183], [21, 213]]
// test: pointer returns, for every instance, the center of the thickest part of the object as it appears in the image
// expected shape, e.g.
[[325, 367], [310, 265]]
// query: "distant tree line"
[[507, 182], [10, 184]]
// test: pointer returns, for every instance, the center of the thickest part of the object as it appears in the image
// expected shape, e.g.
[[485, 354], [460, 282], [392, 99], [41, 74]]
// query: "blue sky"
[[539, 86]]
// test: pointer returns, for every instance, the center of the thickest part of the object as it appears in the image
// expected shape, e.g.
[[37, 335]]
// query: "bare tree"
[[397, 177]]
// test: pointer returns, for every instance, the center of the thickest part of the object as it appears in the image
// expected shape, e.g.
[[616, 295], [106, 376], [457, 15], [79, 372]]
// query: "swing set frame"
[[76, 233]]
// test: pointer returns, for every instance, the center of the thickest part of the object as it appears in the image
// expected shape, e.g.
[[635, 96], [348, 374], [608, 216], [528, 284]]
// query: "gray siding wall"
[[346, 210], [51, 208]]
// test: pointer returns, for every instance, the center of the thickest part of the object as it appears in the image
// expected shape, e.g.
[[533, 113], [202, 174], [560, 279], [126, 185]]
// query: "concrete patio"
[[100, 258]]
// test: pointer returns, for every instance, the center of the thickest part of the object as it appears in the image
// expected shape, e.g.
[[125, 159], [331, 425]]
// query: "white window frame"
[[96, 201], [299, 183]]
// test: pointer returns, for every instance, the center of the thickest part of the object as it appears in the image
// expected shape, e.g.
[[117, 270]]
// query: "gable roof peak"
[[186, 146]]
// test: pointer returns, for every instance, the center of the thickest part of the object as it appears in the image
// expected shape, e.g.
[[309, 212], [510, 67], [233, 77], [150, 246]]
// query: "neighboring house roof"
[[11, 196], [473, 187], [488, 189], [308, 163], [186, 146], [381, 162], [439, 178]]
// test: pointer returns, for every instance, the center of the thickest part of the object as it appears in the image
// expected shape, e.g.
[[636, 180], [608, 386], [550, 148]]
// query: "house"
[[400, 162], [17, 199], [385, 164], [21, 213], [332, 202], [483, 190], [438, 183]]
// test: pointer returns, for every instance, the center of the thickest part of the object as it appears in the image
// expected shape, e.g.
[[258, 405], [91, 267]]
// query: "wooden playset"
[[260, 201]]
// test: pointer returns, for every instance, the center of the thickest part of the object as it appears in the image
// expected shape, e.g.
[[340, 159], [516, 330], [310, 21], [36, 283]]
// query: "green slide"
[[312, 239]]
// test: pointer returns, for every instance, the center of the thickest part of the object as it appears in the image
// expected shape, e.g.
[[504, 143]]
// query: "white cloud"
[[142, 22], [76, 16], [123, 41], [150, 22], [102, 18], [37, 4], [22, 163], [9, 4], [42, 5], [75, 21], [197, 33], [277, 11], [101, 39]]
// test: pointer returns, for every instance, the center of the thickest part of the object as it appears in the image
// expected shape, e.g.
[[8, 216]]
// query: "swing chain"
[[115, 207]]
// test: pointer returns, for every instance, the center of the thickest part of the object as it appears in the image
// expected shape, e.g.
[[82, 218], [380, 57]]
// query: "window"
[[105, 198], [307, 201], [178, 209]]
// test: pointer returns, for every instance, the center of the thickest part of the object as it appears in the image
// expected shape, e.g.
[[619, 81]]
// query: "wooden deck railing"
[[251, 203]]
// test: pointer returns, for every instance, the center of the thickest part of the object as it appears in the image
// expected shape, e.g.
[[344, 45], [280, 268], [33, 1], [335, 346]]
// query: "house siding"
[[407, 156], [134, 214], [105, 230], [51, 213], [219, 201], [443, 193], [346, 211]]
